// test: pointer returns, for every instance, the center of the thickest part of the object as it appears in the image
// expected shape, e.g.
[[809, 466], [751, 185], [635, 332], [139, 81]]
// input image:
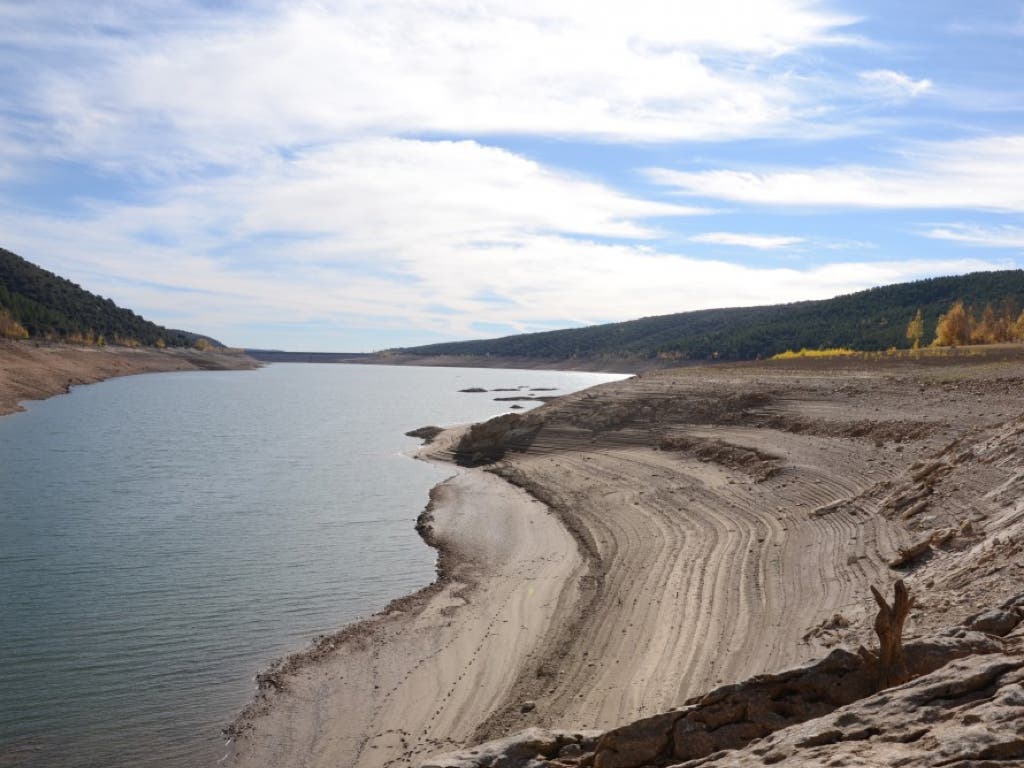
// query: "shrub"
[[11, 328]]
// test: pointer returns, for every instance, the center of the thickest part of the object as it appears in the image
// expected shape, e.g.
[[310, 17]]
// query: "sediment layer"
[[35, 371]]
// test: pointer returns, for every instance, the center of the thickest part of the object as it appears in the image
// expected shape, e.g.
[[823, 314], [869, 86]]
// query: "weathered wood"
[[888, 662]]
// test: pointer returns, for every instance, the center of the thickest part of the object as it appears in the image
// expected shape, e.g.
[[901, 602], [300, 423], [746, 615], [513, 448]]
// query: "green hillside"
[[47, 306], [875, 319]]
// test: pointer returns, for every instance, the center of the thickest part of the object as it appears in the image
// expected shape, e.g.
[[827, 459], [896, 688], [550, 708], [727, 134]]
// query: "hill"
[[874, 319], [43, 305]]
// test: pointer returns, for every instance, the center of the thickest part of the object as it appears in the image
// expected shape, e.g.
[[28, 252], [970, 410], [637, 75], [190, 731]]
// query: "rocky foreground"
[[963, 706]]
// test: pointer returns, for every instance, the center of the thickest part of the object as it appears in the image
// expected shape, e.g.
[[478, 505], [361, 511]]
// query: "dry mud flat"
[[726, 522], [34, 371]]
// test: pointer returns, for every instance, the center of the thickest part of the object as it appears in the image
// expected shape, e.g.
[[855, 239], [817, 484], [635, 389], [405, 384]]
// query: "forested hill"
[[35, 303], [875, 319]]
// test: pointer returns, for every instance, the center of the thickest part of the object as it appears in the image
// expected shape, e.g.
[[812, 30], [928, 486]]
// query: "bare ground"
[[728, 521], [35, 371]]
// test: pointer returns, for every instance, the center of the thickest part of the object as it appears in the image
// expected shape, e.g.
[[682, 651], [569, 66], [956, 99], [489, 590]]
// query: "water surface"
[[163, 537]]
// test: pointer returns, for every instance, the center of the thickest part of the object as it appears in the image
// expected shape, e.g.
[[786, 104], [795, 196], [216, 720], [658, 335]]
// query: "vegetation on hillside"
[[961, 326], [38, 304], [871, 320]]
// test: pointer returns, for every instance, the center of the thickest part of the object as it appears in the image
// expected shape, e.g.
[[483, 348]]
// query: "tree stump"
[[888, 662]]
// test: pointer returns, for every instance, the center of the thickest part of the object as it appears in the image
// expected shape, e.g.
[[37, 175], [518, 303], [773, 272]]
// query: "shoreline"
[[32, 370], [725, 521], [502, 560]]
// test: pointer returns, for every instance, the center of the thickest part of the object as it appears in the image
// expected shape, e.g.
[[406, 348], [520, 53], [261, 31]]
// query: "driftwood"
[[888, 663]]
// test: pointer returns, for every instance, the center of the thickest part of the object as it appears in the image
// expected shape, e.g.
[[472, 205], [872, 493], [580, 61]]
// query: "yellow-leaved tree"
[[11, 328], [915, 330], [955, 327]]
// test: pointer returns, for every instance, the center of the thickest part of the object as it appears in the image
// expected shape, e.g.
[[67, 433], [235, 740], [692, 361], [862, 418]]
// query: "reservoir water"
[[164, 537]]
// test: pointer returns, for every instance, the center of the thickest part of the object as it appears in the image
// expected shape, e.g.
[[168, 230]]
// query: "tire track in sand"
[[705, 575]]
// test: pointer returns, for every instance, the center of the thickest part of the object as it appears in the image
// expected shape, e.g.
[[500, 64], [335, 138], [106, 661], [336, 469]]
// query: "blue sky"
[[361, 175]]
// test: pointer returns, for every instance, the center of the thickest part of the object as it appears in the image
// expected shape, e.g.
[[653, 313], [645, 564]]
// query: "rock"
[[527, 749], [924, 656], [637, 743], [908, 555], [473, 389], [527, 706], [995, 622], [488, 441], [733, 716], [690, 739], [971, 710], [1015, 603], [427, 434], [570, 750]]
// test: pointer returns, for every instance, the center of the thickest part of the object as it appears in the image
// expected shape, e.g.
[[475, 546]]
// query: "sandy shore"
[[35, 371], [419, 678], [697, 527]]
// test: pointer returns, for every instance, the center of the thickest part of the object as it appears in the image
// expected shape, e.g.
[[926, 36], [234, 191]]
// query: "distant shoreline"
[[32, 370], [589, 365]]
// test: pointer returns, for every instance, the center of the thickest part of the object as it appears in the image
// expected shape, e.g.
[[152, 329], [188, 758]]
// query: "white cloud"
[[216, 87], [990, 237], [391, 233], [294, 181], [380, 192], [759, 242], [888, 84], [360, 229], [981, 174]]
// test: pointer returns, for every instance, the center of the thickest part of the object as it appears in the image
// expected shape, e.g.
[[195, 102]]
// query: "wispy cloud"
[[531, 282], [989, 237], [340, 163], [745, 240], [889, 84], [201, 89], [380, 233], [979, 174]]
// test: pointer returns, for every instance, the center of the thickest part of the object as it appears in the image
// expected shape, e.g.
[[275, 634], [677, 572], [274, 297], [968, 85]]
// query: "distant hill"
[[47, 306], [874, 319], [280, 356]]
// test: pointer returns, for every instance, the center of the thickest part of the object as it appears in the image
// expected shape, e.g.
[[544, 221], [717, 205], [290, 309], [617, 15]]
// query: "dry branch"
[[888, 662]]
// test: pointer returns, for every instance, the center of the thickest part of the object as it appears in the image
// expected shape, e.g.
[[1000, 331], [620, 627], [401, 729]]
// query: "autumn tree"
[[11, 328], [915, 330], [954, 328], [986, 330]]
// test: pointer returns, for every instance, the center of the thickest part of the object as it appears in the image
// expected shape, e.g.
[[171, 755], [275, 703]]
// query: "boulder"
[[969, 712]]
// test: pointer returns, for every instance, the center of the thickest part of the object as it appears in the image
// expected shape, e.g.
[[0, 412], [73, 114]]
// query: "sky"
[[353, 176]]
